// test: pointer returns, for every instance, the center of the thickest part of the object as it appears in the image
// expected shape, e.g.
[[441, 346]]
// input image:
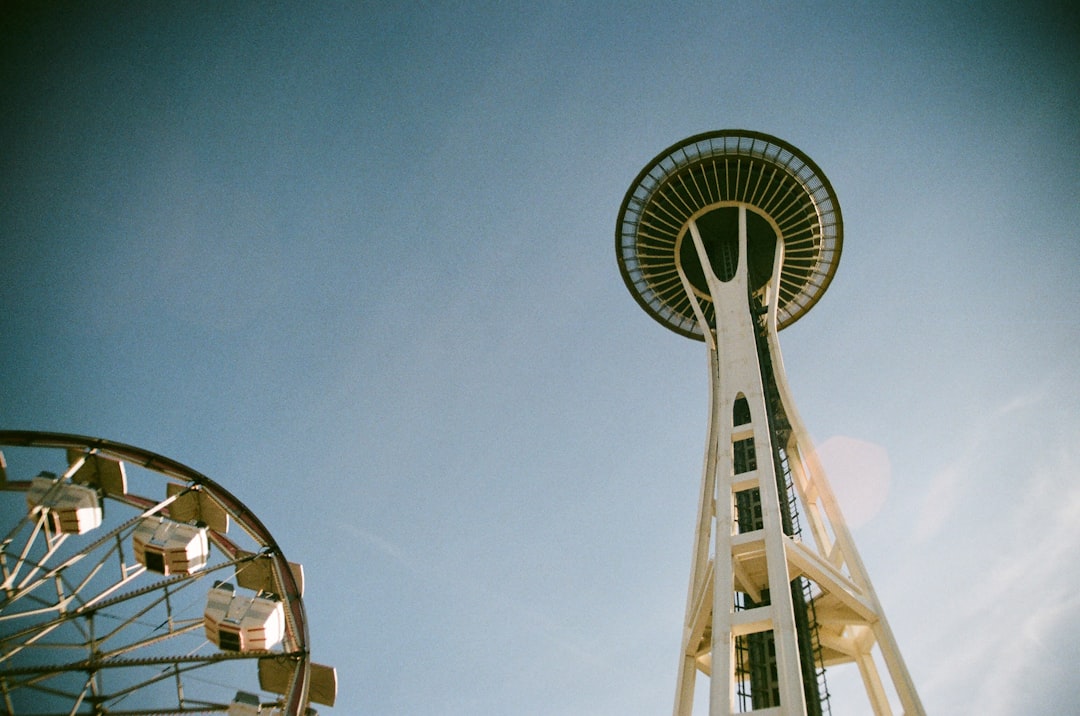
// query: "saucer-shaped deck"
[[727, 168]]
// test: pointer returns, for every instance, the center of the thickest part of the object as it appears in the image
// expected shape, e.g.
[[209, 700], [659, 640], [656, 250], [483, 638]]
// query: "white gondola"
[[74, 509], [169, 547], [245, 704], [237, 623]]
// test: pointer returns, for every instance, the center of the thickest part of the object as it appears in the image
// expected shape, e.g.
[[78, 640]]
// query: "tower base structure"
[[727, 238]]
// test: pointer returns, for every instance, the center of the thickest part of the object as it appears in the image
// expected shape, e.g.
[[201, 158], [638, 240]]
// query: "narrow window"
[[230, 640], [748, 510], [741, 411], [155, 562], [745, 459]]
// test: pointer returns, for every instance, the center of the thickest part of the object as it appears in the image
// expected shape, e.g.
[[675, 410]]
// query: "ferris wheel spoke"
[[40, 529], [97, 610], [37, 688], [134, 618], [177, 669], [164, 589], [113, 535], [207, 708], [26, 639], [174, 630], [38, 673], [87, 688]]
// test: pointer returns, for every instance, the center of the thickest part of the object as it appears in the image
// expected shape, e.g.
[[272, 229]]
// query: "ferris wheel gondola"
[[132, 584]]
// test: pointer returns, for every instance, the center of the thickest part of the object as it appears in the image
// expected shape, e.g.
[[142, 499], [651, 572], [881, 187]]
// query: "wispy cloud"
[[383, 546], [950, 486], [1014, 624], [940, 501], [471, 590]]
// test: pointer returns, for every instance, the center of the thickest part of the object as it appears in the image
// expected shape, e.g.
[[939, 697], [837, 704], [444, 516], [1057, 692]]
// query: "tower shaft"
[[767, 609]]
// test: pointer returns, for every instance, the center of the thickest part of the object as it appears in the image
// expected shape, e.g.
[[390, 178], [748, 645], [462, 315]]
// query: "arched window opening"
[[741, 411]]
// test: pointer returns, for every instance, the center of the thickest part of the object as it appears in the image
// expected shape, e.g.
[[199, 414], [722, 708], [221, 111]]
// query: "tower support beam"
[[728, 237]]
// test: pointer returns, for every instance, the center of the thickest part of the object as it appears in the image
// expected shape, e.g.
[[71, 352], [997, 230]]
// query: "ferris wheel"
[[132, 584]]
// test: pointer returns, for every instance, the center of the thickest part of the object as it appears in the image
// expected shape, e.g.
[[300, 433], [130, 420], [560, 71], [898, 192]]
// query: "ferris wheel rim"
[[296, 650]]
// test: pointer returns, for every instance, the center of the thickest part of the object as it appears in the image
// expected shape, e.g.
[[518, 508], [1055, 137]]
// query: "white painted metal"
[[169, 547], [236, 622], [73, 509], [851, 621]]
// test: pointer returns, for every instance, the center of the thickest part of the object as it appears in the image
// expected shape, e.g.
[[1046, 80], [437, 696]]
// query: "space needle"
[[726, 238]]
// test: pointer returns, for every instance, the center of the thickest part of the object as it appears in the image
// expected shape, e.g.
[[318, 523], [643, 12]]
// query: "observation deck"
[[717, 169]]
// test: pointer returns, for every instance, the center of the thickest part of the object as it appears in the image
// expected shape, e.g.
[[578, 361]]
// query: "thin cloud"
[[1016, 618], [950, 486], [473, 591]]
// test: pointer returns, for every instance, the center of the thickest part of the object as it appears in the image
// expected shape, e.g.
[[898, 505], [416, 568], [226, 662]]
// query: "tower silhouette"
[[728, 237]]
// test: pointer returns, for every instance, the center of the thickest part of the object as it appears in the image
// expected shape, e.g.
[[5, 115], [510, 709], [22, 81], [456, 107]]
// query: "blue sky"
[[355, 262]]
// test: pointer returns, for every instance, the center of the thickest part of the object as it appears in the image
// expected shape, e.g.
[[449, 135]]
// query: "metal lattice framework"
[[85, 628], [720, 168]]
